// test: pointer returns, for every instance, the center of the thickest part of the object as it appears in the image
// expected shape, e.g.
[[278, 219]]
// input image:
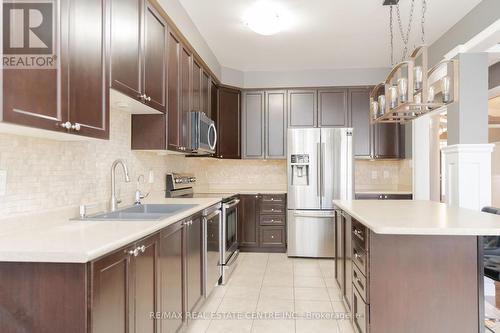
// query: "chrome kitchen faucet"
[[114, 200]]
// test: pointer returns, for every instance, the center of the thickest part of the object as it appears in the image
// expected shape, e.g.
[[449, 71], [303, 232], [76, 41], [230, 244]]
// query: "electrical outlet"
[[386, 174], [374, 175], [3, 182]]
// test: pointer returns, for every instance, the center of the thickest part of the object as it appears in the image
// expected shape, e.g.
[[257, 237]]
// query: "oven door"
[[229, 230]]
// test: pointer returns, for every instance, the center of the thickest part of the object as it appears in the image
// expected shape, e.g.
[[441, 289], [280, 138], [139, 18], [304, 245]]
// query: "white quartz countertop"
[[411, 217], [48, 238]]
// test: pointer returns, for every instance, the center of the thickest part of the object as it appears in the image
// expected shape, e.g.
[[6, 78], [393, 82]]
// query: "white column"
[[421, 158], [468, 175]]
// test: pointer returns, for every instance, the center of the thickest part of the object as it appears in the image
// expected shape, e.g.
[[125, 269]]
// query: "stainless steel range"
[[181, 186]]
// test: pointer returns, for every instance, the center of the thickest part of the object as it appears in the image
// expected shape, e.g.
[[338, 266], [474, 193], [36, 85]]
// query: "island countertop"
[[413, 217]]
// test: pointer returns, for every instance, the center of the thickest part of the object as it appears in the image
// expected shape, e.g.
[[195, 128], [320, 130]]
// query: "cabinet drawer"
[[272, 220], [360, 313], [360, 234], [269, 208], [274, 198], [272, 236], [360, 258], [359, 282]]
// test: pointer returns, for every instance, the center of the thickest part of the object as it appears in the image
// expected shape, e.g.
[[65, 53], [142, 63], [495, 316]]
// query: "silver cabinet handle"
[[66, 125], [272, 237], [134, 252], [143, 248], [147, 98], [76, 126]]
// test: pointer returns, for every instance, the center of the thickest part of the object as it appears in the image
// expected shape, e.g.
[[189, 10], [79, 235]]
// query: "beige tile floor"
[[273, 283]]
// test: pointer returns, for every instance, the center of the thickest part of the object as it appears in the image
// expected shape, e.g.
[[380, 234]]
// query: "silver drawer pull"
[[359, 234]]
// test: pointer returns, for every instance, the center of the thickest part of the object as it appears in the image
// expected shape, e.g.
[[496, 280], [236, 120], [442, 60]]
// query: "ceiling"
[[326, 34]]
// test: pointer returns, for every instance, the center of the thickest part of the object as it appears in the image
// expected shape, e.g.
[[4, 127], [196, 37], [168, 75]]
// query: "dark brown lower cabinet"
[[171, 277], [410, 283], [262, 223], [124, 288], [127, 291], [193, 232], [248, 234]]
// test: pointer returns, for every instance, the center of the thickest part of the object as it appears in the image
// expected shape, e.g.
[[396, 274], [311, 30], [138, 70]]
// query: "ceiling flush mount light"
[[265, 18]]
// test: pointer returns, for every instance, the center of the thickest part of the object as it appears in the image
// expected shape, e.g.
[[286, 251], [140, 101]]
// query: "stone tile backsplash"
[[45, 174], [388, 175]]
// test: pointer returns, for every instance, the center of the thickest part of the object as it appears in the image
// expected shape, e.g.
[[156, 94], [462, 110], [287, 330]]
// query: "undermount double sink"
[[147, 212]]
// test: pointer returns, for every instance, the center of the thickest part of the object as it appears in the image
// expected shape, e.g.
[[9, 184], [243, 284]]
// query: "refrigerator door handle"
[[322, 174], [318, 174]]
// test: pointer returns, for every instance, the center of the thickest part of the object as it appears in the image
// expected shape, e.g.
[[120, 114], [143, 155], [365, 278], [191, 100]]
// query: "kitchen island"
[[411, 266]]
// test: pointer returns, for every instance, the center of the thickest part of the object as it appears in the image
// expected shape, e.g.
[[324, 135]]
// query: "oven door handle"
[[231, 204], [214, 214]]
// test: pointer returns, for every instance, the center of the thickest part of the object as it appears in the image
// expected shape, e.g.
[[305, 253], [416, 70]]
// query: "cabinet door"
[[276, 125], [253, 125], [302, 108], [171, 277], [196, 99], [84, 89], [228, 124], [155, 51], [205, 94], [332, 108], [186, 97], [110, 293], [248, 232], [214, 101], [386, 143], [173, 86], [194, 262], [359, 102], [145, 285], [126, 47]]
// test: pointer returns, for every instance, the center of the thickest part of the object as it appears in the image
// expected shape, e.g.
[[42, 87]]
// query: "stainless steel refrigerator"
[[320, 168]]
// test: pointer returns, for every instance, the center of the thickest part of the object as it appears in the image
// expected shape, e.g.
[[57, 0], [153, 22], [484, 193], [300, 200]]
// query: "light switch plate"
[[3, 182], [374, 175]]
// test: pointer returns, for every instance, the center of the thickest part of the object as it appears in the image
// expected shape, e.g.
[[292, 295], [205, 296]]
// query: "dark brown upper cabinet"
[[205, 94], [75, 98], [196, 98], [302, 108], [264, 124], [155, 59], [332, 108], [214, 100], [386, 144], [138, 53], [173, 88], [228, 124], [359, 102], [186, 96], [253, 124]]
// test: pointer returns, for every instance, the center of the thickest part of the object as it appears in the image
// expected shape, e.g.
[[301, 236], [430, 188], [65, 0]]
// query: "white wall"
[[304, 78]]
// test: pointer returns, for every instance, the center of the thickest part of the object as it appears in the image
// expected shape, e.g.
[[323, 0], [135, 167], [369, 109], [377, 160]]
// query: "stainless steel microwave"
[[203, 134]]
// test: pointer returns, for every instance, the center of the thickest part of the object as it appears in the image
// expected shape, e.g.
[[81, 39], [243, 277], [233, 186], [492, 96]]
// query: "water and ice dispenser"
[[300, 169]]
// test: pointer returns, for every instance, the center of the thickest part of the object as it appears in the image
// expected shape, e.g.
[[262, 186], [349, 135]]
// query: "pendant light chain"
[[424, 9], [391, 29], [405, 37]]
